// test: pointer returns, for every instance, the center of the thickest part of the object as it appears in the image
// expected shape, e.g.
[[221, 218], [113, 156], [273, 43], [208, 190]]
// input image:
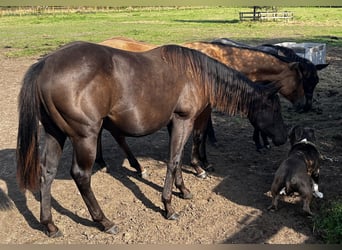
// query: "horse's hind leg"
[[52, 152], [83, 159], [196, 159], [179, 183], [99, 156], [124, 146], [130, 156]]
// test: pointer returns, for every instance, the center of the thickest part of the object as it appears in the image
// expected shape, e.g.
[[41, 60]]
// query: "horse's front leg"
[[265, 140], [180, 131], [211, 133], [256, 138], [198, 153]]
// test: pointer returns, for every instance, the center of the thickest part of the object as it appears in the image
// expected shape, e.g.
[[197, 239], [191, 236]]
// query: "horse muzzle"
[[281, 137], [279, 141]]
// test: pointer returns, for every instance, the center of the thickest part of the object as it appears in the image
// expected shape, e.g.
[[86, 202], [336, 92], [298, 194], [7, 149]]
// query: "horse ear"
[[273, 90], [321, 66], [294, 65], [299, 67]]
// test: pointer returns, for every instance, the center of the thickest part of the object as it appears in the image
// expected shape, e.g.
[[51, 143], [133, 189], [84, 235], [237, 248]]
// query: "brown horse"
[[128, 44], [295, 84], [308, 70], [288, 77], [287, 74], [82, 87]]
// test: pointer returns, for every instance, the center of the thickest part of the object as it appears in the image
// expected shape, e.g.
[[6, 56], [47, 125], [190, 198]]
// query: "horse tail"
[[28, 166]]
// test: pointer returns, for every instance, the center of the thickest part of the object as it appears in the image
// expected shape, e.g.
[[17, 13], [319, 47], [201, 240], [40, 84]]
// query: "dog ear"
[[321, 66], [299, 132], [294, 134], [310, 134], [291, 130]]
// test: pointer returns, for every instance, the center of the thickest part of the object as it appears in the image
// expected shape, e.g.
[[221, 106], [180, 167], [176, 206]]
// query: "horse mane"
[[289, 53], [306, 66], [229, 91], [255, 49]]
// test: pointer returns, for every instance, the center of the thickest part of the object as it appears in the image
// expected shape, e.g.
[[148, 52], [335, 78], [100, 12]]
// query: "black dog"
[[299, 172]]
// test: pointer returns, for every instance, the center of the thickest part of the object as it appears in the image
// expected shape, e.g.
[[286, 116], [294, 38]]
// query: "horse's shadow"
[[154, 146], [14, 198]]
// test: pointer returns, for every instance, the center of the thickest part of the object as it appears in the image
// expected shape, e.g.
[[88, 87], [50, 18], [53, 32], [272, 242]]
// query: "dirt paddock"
[[228, 207]]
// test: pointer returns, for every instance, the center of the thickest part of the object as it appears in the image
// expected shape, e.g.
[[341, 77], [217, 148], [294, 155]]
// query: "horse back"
[[242, 59], [83, 83], [127, 44]]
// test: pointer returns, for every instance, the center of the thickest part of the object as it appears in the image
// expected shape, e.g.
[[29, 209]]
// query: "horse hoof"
[[272, 208], [187, 196], [173, 216], [210, 168], [113, 230], [261, 150], [202, 175], [143, 174], [56, 234]]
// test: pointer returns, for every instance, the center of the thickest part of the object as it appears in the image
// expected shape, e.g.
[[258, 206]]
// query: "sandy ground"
[[228, 207]]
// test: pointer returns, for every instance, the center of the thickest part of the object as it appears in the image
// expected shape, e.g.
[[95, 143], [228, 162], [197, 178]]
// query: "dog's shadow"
[[262, 227]]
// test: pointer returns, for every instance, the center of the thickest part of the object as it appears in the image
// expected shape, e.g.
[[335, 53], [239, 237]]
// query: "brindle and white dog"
[[299, 172]]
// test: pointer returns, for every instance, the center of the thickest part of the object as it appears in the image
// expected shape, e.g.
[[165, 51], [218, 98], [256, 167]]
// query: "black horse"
[[82, 87], [307, 69]]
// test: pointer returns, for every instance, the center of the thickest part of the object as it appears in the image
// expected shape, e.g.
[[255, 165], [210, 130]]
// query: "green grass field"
[[32, 32]]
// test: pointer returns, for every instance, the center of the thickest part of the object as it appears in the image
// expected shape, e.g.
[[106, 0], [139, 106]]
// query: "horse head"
[[292, 86], [306, 69], [308, 72], [266, 115]]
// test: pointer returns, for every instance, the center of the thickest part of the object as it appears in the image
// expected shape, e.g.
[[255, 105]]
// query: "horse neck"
[[234, 94], [228, 90]]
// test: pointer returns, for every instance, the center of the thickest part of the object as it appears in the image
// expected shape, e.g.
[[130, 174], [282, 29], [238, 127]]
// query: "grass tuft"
[[328, 223]]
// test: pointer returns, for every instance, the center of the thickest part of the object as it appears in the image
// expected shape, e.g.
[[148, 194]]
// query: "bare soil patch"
[[228, 207]]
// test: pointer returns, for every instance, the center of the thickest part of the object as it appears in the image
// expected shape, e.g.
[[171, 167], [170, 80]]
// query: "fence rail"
[[266, 16]]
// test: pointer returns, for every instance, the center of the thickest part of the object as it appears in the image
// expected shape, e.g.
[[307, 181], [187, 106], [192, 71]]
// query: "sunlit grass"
[[39, 32]]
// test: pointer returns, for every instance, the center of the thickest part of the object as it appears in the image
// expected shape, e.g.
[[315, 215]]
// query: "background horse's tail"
[[28, 167]]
